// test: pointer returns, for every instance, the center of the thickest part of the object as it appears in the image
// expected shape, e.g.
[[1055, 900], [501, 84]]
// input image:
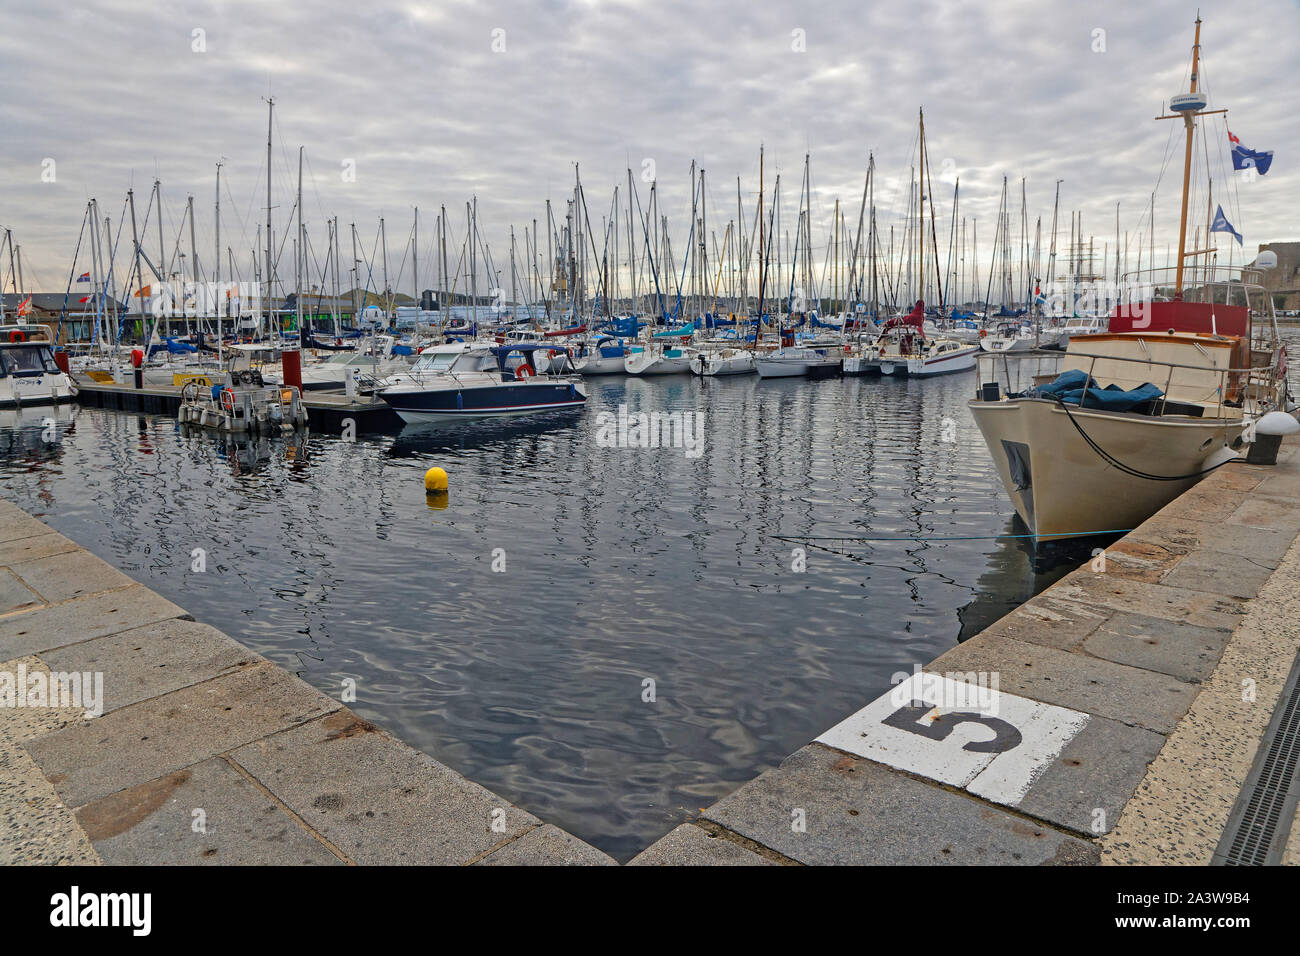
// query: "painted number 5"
[[912, 718]]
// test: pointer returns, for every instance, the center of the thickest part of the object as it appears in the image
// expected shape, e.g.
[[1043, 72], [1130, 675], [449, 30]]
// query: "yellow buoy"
[[435, 479]]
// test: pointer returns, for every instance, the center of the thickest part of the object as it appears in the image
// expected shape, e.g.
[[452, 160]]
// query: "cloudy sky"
[[435, 102]]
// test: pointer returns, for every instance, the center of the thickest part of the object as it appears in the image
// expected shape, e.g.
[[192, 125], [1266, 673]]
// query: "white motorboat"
[[1080, 325], [332, 372], [478, 380], [1008, 337], [904, 350], [29, 373]]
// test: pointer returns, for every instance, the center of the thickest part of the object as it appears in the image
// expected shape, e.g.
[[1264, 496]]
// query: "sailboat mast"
[[762, 271], [269, 284], [300, 258], [216, 275], [920, 212]]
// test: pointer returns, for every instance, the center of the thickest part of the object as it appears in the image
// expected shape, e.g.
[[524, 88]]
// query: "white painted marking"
[[1008, 778], [1014, 738]]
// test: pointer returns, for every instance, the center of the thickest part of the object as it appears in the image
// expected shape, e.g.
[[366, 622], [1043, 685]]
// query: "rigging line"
[[243, 225]]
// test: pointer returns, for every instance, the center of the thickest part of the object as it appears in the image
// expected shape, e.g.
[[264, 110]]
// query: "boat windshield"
[[27, 360], [437, 361]]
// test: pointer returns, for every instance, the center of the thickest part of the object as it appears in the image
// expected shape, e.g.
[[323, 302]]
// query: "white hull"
[[960, 360], [650, 362], [996, 343], [728, 362], [793, 362], [600, 365], [50, 390], [778, 368], [30, 375]]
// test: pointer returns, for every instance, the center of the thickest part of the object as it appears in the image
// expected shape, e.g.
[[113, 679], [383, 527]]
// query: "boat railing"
[[1260, 387], [1238, 285]]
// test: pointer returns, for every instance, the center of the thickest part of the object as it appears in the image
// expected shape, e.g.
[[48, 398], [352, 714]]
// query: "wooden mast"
[[1189, 120]]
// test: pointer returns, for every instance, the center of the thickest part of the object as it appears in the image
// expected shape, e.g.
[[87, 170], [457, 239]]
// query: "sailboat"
[[1139, 414], [903, 345]]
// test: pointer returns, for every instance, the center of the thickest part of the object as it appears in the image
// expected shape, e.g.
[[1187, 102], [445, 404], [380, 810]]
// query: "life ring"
[[984, 333], [524, 371], [228, 400], [17, 336]]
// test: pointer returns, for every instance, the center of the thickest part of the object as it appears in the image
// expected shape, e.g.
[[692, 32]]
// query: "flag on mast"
[[1245, 158], [1221, 224]]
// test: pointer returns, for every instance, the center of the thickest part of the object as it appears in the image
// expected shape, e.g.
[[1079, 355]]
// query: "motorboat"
[[904, 348], [1008, 337], [898, 352], [478, 380], [332, 372], [29, 372]]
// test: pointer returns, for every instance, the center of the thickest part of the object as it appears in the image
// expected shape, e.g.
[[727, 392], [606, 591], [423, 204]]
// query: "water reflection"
[[1018, 569], [247, 454], [463, 435]]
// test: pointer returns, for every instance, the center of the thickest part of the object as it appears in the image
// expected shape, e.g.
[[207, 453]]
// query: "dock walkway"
[[327, 411]]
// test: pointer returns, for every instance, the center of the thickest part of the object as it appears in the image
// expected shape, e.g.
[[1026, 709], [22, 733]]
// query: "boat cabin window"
[[437, 361], [27, 360]]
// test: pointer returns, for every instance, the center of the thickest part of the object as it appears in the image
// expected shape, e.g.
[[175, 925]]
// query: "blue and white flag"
[[1221, 224], [1243, 158]]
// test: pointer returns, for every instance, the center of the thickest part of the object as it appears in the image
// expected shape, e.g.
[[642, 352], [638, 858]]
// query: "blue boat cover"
[[1070, 387], [627, 326]]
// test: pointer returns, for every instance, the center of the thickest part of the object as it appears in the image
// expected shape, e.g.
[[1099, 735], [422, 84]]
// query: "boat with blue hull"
[[477, 380]]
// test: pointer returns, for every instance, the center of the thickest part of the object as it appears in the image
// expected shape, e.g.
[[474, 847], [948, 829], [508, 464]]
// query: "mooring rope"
[[1137, 473]]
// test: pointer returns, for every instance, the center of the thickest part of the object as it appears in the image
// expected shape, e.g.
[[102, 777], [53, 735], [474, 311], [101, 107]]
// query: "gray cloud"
[[415, 95]]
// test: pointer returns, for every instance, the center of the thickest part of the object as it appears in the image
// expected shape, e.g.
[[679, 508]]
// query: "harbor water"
[[611, 637]]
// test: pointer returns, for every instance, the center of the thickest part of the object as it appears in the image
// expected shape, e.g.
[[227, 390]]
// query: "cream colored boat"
[[1134, 417], [1073, 470]]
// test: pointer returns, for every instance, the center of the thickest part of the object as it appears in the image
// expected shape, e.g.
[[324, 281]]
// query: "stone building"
[[1282, 281]]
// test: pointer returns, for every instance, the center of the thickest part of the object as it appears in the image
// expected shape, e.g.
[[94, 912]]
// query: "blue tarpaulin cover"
[[1069, 388]]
